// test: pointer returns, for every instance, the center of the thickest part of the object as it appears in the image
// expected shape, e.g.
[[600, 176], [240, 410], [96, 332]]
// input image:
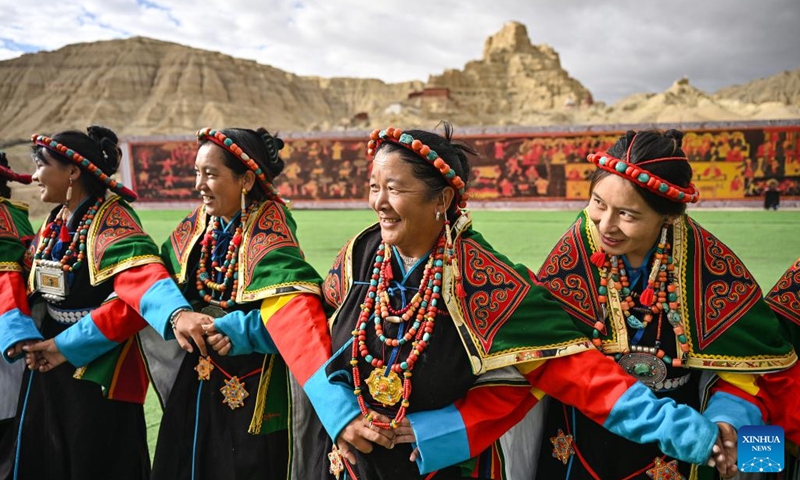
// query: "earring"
[[244, 200], [69, 191], [438, 216]]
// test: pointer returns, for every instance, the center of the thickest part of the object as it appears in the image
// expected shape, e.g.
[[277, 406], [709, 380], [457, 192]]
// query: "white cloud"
[[614, 49]]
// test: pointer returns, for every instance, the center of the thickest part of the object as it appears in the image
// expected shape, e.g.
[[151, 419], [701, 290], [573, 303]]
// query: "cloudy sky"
[[614, 48]]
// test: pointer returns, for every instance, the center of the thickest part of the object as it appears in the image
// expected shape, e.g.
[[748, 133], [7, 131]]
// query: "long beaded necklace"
[[648, 364], [52, 273], [385, 387], [220, 294]]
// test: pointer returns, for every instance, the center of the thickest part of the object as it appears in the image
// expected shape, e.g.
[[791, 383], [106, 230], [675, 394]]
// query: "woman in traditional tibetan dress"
[[237, 258], [430, 321], [780, 389], [15, 233], [664, 298], [91, 258]]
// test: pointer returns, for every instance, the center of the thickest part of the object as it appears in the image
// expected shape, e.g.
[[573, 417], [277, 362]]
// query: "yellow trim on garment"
[[744, 381], [271, 305]]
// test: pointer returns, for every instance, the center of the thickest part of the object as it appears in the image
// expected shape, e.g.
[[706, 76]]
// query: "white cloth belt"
[[61, 315], [670, 383]]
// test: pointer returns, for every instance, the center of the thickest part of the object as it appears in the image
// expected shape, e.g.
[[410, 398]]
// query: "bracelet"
[[174, 316]]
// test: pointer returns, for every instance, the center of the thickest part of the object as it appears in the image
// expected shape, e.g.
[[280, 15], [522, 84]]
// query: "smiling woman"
[[95, 279], [666, 299]]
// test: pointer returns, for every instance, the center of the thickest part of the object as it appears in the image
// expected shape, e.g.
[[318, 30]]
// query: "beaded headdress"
[[223, 141], [396, 136], [12, 175], [85, 164], [643, 178]]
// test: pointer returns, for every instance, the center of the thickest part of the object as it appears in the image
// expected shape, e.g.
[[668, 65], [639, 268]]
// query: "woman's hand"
[[726, 462], [188, 328], [43, 356], [218, 341], [405, 434], [361, 435], [16, 349]]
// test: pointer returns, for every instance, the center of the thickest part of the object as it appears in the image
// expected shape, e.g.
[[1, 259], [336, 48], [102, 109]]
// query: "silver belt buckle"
[[51, 280]]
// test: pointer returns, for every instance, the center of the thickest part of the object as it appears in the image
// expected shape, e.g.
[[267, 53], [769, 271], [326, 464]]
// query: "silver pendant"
[[645, 367], [51, 281]]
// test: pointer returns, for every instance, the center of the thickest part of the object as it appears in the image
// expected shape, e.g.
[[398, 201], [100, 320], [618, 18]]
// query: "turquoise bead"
[[228, 142], [643, 177], [406, 139], [663, 188], [433, 156], [621, 167]]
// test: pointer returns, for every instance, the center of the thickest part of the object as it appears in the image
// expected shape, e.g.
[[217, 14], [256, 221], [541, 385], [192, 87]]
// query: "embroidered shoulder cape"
[[503, 318], [784, 297], [728, 325], [15, 229], [115, 241], [270, 261]]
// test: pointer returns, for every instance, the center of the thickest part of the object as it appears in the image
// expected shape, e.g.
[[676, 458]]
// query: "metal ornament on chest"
[[51, 280], [645, 367]]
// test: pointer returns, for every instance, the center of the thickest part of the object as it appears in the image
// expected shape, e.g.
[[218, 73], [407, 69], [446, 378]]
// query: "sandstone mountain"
[[141, 86]]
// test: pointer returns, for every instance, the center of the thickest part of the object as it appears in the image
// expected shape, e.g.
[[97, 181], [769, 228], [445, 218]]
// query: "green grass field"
[[768, 242]]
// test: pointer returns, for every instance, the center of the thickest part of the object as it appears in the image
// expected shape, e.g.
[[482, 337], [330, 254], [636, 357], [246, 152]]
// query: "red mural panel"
[[730, 163]]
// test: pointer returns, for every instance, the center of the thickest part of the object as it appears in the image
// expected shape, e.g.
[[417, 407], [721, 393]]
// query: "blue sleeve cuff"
[[727, 408], [159, 302], [246, 332], [332, 397], [16, 327], [83, 342], [679, 430], [441, 438]]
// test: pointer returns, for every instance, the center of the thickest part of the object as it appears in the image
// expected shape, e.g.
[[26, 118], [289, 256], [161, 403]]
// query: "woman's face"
[[219, 187], [406, 212], [52, 177], [626, 223]]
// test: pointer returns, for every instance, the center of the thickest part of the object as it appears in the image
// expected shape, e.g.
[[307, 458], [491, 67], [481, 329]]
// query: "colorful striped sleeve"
[[596, 385], [756, 399], [153, 294], [298, 328], [16, 323], [143, 294], [464, 429], [101, 330], [779, 393]]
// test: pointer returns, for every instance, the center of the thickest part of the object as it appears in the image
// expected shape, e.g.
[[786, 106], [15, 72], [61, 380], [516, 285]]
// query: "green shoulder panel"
[[15, 231], [270, 259], [503, 315], [729, 326], [176, 249], [784, 298], [116, 241]]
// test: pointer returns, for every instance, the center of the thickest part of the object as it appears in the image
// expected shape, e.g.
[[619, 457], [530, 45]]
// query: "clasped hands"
[[190, 329], [362, 435], [724, 455]]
